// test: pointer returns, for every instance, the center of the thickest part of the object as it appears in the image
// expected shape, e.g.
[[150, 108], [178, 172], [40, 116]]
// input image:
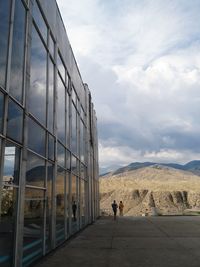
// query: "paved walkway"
[[132, 242]]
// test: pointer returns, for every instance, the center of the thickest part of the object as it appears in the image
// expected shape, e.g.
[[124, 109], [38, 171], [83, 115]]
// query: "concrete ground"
[[132, 242]]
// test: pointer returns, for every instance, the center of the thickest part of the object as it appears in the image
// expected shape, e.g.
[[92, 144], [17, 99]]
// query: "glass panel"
[[35, 170], [4, 30], [67, 81], [82, 202], [82, 113], [36, 137], [61, 155], [68, 159], [67, 119], [8, 210], [51, 96], [49, 206], [51, 45], [82, 171], [37, 94], [61, 111], [82, 141], [60, 205], [51, 151], [11, 164], [73, 95], [61, 67], [74, 131], [74, 204], [33, 225], [74, 165], [17, 60], [15, 121], [40, 21], [1, 111], [67, 200]]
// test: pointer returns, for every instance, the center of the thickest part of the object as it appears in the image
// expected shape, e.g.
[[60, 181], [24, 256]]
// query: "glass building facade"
[[48, 137]]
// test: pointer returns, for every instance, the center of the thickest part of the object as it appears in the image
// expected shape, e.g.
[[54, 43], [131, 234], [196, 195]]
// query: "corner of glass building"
[[48, 135]]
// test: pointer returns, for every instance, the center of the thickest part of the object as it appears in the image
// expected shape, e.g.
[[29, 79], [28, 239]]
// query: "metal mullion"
[[35, 187], [22, 181], [10, 38], [25, 54], [1, 169], [35, 153], [45, 210], [53, 218], [10, 185], [65, 204], [14, 142]]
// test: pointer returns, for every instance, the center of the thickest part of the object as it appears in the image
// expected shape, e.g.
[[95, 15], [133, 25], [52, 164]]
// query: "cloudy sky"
[[141, 60]]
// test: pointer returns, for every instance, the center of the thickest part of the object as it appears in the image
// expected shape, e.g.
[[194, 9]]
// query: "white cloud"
[[141, 60]]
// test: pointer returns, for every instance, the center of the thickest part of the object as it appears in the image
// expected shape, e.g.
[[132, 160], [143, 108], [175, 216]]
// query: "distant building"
[[48, 135]]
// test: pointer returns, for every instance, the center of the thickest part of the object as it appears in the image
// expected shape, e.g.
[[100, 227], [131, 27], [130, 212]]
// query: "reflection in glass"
[[82, 171], [11, 164], [67, 200], [15, 121], [40, 21], [17, 61], [61, 111], [68, 159], [74, 131], [4, 30], [74, 204], [82, 202], [68, 118], [51, 45], [51, 147], [8, 210], [74, 95], [36, 137], [74, 164], [49, 206], [82, 141], [33, 225], [51, 96], [35, 170], [61, 67], [37, 94], [61, 155], [1, 111], [60, 205]]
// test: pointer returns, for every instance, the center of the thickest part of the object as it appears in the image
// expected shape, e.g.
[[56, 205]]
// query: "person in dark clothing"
[[114, 207], [74, 208]]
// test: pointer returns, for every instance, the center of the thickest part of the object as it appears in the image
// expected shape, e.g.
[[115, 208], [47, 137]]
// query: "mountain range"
[[192, 166], [151, 188]]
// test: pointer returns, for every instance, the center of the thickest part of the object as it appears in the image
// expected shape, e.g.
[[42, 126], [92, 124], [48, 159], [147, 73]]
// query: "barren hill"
[[160, 189]]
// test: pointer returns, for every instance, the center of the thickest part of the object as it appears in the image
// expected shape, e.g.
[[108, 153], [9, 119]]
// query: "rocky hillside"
[[149, 190]]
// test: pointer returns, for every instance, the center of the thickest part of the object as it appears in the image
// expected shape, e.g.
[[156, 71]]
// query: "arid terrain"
[[153, 190]]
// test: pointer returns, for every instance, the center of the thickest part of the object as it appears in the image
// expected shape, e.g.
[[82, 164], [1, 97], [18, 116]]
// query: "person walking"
[[121, 208], [74, 208], [114, 208]]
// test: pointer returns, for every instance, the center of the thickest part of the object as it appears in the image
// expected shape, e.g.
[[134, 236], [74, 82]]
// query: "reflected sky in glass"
[[1, 111], [37, 94], [11, 164], [36, 137], [4, 30], [35, 174], [74, 133], [40, 21], [17, 61], [61, 111], [15, 121], [51, 96]]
